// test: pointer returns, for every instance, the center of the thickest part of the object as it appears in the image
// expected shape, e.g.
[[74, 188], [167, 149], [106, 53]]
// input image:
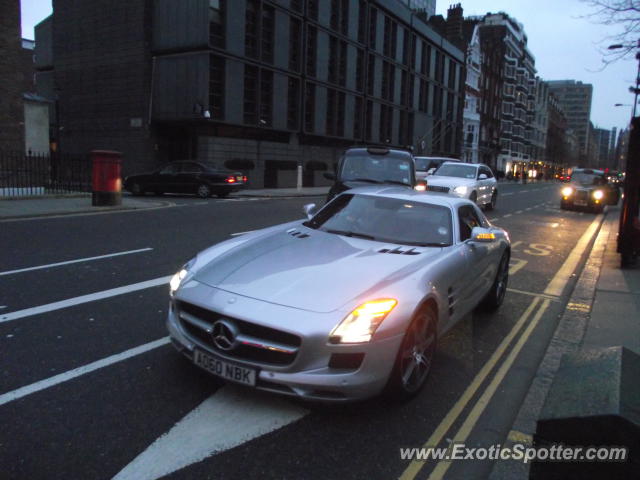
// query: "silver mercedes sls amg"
[[345, 304]]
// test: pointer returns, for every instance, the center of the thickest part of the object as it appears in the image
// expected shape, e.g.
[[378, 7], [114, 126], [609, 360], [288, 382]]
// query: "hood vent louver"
[[399, 251], [296, 233]]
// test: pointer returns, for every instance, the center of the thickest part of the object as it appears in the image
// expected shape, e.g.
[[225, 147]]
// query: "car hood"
[[319, 272], [442, 181]]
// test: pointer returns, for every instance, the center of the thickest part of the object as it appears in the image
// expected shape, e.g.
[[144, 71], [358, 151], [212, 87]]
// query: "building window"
[[388, 81], [309, 107], [331, 112], [453, 69], [250, 95], [357, 119], [293, 103], [312, 9], [296, 5], [342, 64], [266, 97], [360, 71], [368, 121], [423, 102], [386, 123], [362, 21], [426, 59], [371, 74], [340, 113], [333, 60], [404, 88], [406, 53], [216, 23], [251, 29], [295, 31], [312, 42], [216, 87], [268, 28], [373, 23]]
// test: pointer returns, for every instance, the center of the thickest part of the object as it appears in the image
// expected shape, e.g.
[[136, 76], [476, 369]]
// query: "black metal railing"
[[24, 175]]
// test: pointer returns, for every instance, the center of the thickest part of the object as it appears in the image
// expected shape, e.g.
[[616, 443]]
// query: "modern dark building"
[[11, 78], [254, 85]]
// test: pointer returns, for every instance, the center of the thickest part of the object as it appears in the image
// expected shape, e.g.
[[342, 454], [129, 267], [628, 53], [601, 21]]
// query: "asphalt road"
[[85, 393]]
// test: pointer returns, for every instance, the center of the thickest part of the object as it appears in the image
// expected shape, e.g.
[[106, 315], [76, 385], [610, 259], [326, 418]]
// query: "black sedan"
[[200, 178]]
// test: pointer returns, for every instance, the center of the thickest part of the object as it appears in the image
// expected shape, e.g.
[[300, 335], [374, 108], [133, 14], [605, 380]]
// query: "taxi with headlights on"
[[344, 304], [589, 190]]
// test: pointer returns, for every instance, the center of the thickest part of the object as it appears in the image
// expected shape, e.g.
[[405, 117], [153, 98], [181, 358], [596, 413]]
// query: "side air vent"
[[295, 233], [399, 251]]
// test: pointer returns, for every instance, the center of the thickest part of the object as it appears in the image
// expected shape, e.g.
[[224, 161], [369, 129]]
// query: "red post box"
[[107, 184]]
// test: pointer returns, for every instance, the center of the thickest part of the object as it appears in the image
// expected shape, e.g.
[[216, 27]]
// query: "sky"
[[564, 44]]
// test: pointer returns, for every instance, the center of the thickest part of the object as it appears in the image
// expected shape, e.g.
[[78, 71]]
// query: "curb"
[[50, 195], [567, 338], [85, 212]]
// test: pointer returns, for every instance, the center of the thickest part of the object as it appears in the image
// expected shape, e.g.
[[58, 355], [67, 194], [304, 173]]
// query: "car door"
[[484, 195], [491, 183], [189, 177], [166, 180], [477, 255]]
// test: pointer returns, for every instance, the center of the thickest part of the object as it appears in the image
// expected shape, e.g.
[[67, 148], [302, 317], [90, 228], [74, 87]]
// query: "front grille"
[[266, 345], [581, 195], [436, 188]]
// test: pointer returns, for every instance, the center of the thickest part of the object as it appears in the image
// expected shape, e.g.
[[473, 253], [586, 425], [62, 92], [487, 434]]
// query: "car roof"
[[446, 159], [410, 195], [392, 152], [466, 163]]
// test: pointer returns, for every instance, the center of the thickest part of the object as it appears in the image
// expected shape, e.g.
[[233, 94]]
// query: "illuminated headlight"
[[598, 194], [360, 325], [461, 190], [566, 191], [179, 277], [420, 187]]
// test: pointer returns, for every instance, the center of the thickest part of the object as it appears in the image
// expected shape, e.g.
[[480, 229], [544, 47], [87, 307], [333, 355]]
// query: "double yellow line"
[[539, 305]]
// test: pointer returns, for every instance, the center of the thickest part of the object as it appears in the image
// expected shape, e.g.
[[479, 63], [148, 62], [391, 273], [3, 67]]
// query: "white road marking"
[[524, 191], [516, 264], [241, 233], [507, 194], [507, 215], [492, 220], [71, 374], [229, 418], [79, 260], [518, 212], [92, 297], [561, 278]]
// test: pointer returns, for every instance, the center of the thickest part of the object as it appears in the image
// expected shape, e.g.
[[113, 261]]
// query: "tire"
[[473, 197], [495, 296], [492, 204], [415, 356], [136, 189], [203, 190]]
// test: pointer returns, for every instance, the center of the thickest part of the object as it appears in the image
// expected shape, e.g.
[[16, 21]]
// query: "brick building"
[[253, 85], [11, 78]]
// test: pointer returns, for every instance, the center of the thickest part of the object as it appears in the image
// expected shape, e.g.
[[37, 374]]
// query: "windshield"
[[424, 164], [386, 220], [460, 171], [587, 179], [377, 169]]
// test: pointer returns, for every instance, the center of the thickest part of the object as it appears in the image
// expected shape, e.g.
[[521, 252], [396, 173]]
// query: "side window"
[[170, 169], [468, 219], [190, 167], [486, 171]]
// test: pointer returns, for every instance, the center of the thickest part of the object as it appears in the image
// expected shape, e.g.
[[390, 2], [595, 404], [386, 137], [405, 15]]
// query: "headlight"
[[360, 325], [177, 279], [598, 194], [566, 191], [461, 190]]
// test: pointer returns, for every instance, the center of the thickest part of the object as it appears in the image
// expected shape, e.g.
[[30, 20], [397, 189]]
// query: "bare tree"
[[622, 15]]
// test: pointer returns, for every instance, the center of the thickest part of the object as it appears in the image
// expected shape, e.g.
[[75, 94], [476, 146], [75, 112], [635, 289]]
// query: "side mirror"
[[309, 210], [482, 235], [431, 171], [329, 175], [483, 176], [421, 186]]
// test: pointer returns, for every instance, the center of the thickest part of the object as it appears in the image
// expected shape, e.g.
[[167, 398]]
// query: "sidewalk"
[[13, 208], [603, 311]]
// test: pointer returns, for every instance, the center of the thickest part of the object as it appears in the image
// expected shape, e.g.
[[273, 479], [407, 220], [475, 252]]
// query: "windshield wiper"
[[368, 180], [396, 182], [347, 233]]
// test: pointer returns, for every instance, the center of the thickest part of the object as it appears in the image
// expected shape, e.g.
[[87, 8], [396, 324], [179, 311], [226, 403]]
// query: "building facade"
[[540, 127], [426, 6], [575, 99], [252, 85], [557, 149], [11, 78]]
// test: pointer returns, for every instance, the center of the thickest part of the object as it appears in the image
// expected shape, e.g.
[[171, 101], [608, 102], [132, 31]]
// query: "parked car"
[[372, 165], [474, 181], [589, 189], [201, 178], [342, 305], [427, 165]]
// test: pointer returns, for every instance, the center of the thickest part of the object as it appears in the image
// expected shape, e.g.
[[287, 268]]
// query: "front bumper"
[[309, 376]]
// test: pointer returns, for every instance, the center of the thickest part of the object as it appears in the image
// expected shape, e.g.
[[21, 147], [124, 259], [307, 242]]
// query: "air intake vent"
[[296, 233], [399, 251]]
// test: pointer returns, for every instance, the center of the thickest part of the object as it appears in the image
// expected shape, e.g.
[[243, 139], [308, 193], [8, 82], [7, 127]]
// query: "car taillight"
[[230, 179], [244, 178]]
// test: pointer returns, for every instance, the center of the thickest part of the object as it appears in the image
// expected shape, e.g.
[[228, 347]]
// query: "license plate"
[[226, 370], [580, 203]]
